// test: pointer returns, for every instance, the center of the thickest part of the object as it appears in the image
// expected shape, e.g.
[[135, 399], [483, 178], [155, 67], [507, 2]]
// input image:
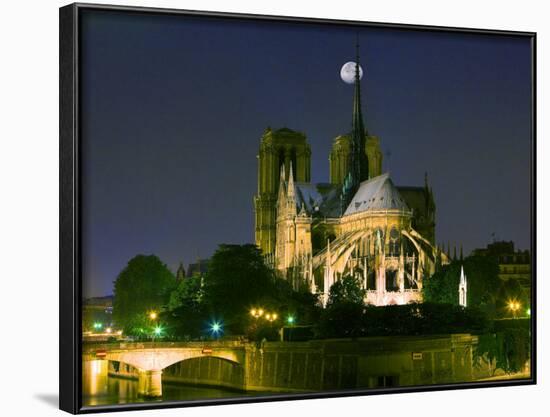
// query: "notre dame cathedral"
[[360, 224]]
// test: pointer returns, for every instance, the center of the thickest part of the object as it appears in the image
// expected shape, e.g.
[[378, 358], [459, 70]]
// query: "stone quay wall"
[[338, 364]]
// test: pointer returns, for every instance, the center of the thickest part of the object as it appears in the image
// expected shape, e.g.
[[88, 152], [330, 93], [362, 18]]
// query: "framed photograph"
[[258, 208]]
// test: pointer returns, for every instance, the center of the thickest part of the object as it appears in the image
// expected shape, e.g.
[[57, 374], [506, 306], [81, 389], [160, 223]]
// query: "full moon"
[[347, 73]]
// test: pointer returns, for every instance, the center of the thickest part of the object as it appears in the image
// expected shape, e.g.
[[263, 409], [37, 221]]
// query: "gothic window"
[[391, 280], [394, 242], [371, 280]]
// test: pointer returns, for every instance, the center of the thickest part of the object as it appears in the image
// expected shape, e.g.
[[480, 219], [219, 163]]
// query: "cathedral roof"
[[318, 199], [378, 193]]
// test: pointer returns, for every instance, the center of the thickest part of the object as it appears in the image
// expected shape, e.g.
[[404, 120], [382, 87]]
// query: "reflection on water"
[[100, 389]]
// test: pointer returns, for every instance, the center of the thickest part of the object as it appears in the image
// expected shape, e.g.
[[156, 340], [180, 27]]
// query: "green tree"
[[347, 289], [237, 279], [348, 319], [188, 293], [343, 315], [508, 348], [483, 283], [186, 314], [143, 285], [342, 319]]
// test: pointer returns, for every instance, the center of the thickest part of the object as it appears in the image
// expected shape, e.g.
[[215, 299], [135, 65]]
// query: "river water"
[[100, 389]]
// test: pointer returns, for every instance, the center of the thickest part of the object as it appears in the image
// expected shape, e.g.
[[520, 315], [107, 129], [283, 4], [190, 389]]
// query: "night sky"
[[173, 109]]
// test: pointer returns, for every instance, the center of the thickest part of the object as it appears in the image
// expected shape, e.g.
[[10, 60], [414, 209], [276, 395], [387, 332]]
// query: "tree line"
[[238, 281]]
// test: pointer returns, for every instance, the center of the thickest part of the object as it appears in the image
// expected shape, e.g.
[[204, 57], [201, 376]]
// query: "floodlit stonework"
[[360, 224]]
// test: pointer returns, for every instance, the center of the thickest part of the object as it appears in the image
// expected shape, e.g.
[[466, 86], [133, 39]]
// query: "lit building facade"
[[360, 224]]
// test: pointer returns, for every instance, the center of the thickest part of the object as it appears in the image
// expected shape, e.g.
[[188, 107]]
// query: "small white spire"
[[290, 182], [463, 288]]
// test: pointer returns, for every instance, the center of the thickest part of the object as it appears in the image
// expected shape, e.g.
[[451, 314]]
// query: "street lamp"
[[216, 328], [153, 315], [290, 321], [514, 306], [271, 317], [256, 312]]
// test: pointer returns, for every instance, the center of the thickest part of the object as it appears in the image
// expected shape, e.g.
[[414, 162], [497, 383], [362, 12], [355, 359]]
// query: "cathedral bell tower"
[[279, 149]]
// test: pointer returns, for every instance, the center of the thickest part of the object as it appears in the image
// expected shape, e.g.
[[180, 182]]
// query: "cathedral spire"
[[357, 122], [282, 187], [358, 130], [290, 186], [282, 173]]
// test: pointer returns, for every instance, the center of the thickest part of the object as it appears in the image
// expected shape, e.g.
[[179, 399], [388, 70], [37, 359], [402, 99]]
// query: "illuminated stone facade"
[[278, 148], [340, 155], [360, 224]]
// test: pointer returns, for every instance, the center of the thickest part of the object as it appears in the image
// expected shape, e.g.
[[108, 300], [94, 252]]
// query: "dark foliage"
[[508, 347], [237, 280], [346, 290], [143, 285], [185, 315], [483, 283], [353, 320], [345, 319]]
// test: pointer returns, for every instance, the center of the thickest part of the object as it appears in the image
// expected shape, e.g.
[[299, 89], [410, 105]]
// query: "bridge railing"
[[93, 347]]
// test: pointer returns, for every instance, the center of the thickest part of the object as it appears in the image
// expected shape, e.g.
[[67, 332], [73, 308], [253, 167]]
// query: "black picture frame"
[[70, 368]]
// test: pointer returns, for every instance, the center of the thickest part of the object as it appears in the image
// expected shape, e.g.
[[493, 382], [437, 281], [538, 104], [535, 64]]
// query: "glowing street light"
[[514, 306], [528, 312], [98, 326], [257, 312], [216, 328], [271, 317], [157, 330], [153, 315], [108, 330], [290, 320]]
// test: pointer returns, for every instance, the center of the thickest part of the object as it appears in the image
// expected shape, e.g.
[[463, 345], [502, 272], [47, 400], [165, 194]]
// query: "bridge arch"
[[212, 371], [158, 359], [150, 361]]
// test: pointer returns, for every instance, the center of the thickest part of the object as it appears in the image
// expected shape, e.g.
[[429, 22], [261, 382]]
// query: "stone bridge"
[[309, 366], [151, 358]]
